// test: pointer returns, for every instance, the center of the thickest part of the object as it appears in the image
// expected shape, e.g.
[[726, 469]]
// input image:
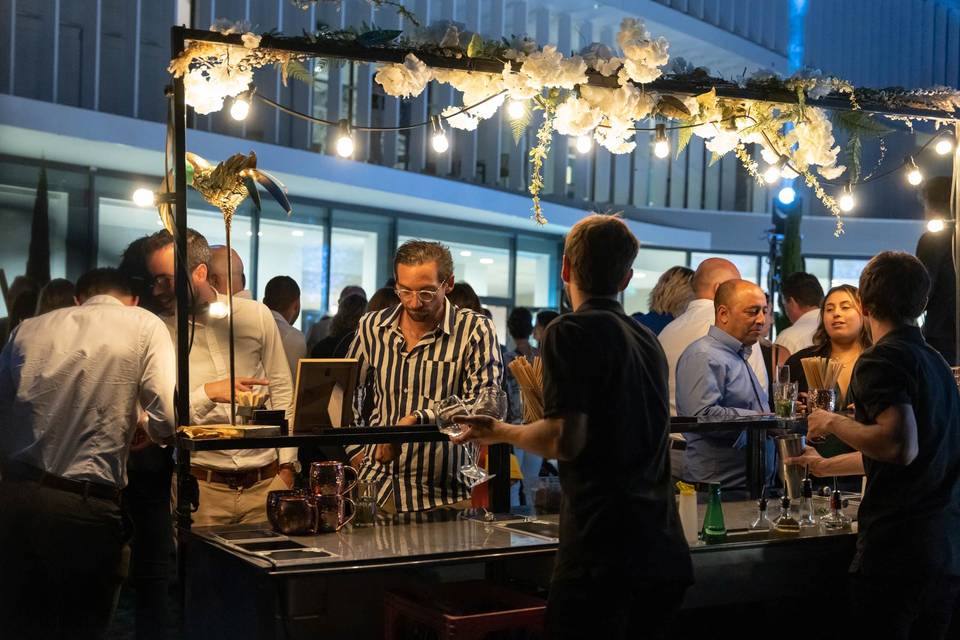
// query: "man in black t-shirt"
[[623, 565], [905, 576]]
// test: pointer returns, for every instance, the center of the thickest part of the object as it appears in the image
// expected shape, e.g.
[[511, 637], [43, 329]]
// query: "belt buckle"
[[235, 481]]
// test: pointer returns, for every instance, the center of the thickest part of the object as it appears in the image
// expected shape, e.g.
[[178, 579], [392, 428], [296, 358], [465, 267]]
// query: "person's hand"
[[483, 429], [810, 459], [287, 476], [407, 421], [818, 424], [140, 440], [386, 453], [219, 391]]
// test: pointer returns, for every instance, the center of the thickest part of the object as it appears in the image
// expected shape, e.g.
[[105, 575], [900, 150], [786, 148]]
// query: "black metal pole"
[[499, 461], [182, 284]]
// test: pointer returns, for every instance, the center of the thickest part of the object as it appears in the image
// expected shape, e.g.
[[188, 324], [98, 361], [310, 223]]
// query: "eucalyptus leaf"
[[475, 47], [378, 37], [672, 107], [684, 135]]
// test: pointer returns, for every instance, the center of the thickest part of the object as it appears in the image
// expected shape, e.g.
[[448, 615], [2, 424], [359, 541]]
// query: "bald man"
[[217, 274], [699, 316], [714, 378]]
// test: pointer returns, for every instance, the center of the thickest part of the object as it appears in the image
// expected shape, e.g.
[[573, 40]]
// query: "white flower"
[[463, 121], [724, 141], [575, 117], [250, 40], [615, 139], [769, 156], [229, 80], [520, 47], [404, 80], [814, 141], [600, 57], [516, 84], [832, 173], [451, 38], [573, 71], [820, 90], [476, 88], [643, 56], [201, 94], [541, 66], [480, 107]]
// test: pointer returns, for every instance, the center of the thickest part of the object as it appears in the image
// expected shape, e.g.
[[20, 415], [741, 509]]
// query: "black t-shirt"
[[935, 251], [910, 516], [618, 516]]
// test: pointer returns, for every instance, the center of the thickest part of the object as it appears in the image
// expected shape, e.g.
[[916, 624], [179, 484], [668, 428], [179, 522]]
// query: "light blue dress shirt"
[[714, 379]]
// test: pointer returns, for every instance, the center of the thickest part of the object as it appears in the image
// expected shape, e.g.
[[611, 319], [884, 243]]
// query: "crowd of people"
[[87, 401]]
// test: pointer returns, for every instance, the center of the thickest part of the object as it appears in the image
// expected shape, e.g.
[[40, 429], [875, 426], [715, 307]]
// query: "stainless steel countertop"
[[428, 539]]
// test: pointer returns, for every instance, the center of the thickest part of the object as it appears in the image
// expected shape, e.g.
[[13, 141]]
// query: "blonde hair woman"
[[668, 298]]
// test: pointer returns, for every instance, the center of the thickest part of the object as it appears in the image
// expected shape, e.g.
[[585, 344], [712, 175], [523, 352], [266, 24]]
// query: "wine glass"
[[491, 402], [446, 410]]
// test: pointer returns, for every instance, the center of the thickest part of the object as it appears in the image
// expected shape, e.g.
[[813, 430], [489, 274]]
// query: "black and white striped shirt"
[[459, 357]]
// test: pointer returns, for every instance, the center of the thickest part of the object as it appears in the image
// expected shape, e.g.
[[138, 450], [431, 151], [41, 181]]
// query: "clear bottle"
[[714, 528], [762, 522], [836, 520], [808, 519], [785, 524]]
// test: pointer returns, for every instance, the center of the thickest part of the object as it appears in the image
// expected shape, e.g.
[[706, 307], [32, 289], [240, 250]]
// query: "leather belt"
[[244, 478], [26, 473]]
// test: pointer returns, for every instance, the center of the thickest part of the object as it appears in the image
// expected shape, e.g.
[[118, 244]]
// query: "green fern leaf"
[[296, 70], [860, 123], [714, 158], [852, 156], [519, 126], [683, 136]]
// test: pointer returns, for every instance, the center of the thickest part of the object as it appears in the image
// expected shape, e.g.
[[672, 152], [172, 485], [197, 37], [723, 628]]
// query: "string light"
[[240, 108], [144, 198], [944, 145], [914, 175], [936, 225], [439, 140], [772, 174], [846, 201], [345, 141], [584, 144], [661, 146], [516, 109]]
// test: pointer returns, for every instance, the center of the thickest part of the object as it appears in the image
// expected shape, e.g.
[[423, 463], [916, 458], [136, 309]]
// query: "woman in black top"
[[342, 328], [843, 334]]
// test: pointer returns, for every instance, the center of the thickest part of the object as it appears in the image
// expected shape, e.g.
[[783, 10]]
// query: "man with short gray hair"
[[411, 356]]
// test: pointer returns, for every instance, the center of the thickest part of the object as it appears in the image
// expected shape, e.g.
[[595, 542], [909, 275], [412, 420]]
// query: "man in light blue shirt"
[[714, 379]]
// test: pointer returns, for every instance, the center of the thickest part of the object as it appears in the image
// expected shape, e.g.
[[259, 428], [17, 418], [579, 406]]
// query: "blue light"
[[786, 196]]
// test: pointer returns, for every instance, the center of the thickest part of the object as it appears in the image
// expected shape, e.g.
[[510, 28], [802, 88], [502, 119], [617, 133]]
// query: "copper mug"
[[297, 515], [330, 512], [273, 505], [327, 478]]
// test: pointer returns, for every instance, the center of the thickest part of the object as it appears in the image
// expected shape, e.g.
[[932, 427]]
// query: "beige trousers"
[[219, 504]]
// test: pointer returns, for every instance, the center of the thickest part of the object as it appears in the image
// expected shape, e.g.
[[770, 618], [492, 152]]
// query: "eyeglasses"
[[425, 296], [163, 282]]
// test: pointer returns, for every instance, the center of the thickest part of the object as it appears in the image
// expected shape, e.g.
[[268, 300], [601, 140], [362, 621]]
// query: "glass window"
[[534, 280], [353, 261], [499, 313], [486, 269], [847, 271], [16, 215], [648, 266], [747, 264], [820, 267], [294, 249], [122, 222]]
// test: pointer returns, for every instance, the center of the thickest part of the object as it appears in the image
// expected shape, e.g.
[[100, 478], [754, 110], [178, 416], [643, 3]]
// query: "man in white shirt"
[[693, 323], [217, 272], [800, 297], [233, 483], [282, 297], [74, 383]]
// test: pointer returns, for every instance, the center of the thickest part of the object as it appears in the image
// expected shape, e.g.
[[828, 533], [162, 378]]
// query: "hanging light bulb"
[[661, 146], [345, 141], [144, 197], [584, 144], [936, 225], [516, 109], [439, 140], [944, 145], [240, 108], [914, 176], [772, 174], [846, 201]]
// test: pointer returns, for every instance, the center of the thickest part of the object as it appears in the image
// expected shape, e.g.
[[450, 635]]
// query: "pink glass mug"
[[330, 512], [327, 478]]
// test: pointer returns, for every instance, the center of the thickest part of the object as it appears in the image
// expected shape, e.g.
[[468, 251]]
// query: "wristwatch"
[[294, 466]]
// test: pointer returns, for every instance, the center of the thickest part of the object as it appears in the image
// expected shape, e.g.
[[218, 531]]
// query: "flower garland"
[[606, 106]]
